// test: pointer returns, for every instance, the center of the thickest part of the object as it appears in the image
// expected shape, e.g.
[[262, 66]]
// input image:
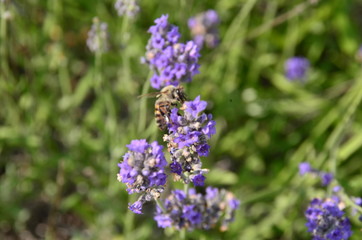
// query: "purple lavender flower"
[[171, 61], [337, 189], [296, 68], [136, 207], [199, 180], [326, 178], [142, 170], [304, 168], [97, 40], [204, 30], [129, 8], [197, 211], [326, 221], [187, 140]]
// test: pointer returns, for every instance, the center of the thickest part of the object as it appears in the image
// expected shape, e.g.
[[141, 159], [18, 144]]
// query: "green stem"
[[186, 189], [159, 203], [143, 105], [297, 10], [350, 202]]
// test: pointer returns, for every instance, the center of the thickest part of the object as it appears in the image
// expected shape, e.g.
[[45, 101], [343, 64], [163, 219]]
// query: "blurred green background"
[[62, 135]]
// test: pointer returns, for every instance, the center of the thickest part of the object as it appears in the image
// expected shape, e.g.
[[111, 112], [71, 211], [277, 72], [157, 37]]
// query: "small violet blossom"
[[98, 36], [326, 178], [142, 170], [326, 220], [358, 202], [127, 8], [359, 54], [204, 29], [187, 140], [172, 62], [196, 211], [296, 68]]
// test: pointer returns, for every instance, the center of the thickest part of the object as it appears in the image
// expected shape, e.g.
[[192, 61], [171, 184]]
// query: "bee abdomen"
[[162, 113]]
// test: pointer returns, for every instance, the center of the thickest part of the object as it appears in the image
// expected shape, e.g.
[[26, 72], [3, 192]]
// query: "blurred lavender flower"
[[304, 168], [337, 189], [196, 211], [357, 201], [171, 61], [98, 36], [326, 220], [326, 178], [142, 170], [296, 68], [359, 54], [187, 140], [127, 7], [204, 28]]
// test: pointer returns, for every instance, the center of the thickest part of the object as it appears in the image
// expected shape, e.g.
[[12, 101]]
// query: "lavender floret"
[[204, 29], [197, 211], [296, 68], [325, 177], [326, 220], [172, 62], [304, 168]]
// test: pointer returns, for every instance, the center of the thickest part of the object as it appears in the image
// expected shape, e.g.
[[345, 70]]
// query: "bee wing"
[[152, 94]]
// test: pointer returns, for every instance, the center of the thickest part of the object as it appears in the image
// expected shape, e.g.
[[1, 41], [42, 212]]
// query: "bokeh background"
[[62, 135]]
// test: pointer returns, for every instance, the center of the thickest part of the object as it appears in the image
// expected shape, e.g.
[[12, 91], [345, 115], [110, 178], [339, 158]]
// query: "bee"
[[167, 98]]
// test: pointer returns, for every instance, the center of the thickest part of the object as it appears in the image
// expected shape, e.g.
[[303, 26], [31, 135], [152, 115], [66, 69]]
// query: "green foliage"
[[67, 114]]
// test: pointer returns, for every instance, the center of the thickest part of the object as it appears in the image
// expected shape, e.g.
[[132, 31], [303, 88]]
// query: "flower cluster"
[[296, 68], [142, 170], [187, 140], [97, 40], [204, 28], [171, 61], [196, 211], [325, 177], [326, 220], [129, 8]]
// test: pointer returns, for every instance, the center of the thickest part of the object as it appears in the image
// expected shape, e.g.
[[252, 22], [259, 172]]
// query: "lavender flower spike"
[[128, 8], [187, 140], [142, 170], [98, 36], [172, 62], [296, 68], [196, 211], [204, 30], [326, 220]]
